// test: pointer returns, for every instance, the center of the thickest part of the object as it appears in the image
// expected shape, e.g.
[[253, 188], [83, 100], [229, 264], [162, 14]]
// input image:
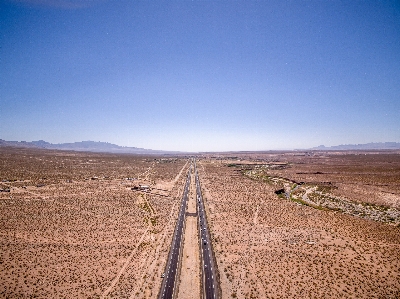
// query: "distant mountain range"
[[366, 146], [85, 146], [106, 147]]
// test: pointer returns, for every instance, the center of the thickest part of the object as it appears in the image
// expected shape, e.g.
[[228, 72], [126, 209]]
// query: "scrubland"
[[270, 246], [71, 227]]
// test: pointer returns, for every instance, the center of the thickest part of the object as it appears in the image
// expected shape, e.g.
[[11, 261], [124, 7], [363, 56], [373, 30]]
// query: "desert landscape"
[[270, 243], [283, 224], [72, 227], [199, 149]]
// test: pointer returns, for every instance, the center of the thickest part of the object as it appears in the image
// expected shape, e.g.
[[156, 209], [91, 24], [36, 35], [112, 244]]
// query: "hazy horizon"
[[201, 75]]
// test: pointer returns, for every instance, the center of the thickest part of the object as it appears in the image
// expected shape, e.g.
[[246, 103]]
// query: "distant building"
[[144, 187], [141, 188]]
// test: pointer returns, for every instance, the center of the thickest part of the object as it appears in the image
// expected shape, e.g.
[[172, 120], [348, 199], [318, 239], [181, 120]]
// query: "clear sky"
[[200, 75]]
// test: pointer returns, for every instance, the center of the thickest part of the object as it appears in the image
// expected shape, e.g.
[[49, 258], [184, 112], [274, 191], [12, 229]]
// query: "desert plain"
[[72, 227], [283, 224], [271, 242]]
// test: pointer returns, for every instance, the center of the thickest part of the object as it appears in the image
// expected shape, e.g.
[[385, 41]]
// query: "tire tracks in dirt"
[[156, 255], [145, 260], [126, 264]]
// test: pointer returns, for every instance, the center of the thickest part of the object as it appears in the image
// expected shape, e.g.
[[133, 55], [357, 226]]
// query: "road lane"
[[210, 289], [168, 286]]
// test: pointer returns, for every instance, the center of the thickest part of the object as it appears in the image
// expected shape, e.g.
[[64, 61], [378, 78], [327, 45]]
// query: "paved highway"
[[168, 287], [210, 289]]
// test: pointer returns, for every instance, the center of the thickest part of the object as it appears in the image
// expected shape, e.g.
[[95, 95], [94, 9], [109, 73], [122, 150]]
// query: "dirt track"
[[72, 227], [271, 247]]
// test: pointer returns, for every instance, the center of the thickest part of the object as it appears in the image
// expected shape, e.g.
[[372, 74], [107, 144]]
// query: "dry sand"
[[270, 247], [71, 227]]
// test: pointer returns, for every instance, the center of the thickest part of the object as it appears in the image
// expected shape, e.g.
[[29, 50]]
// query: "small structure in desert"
[[144, 188]]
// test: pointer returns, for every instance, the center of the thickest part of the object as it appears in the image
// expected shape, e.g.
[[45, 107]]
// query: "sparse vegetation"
[[73, 235], [320, 197], [269, 247], [64, 234]]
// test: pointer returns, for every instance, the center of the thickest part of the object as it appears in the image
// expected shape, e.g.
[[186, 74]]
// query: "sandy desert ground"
[[71, 227], [274, 246], [284, 225]]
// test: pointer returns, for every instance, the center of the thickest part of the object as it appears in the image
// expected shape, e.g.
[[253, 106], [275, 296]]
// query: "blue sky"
[[200, 75]]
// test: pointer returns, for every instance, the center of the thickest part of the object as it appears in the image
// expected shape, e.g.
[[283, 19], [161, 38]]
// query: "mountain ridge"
[[86, 146], [106, 147], [363, 146]]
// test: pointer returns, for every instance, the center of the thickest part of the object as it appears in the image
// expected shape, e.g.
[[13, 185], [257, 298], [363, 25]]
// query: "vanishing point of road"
[[210, 290], [170, 281]]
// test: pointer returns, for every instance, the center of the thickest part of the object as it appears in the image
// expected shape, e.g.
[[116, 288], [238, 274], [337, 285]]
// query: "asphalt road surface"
[[168, 286], [210, 290]]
